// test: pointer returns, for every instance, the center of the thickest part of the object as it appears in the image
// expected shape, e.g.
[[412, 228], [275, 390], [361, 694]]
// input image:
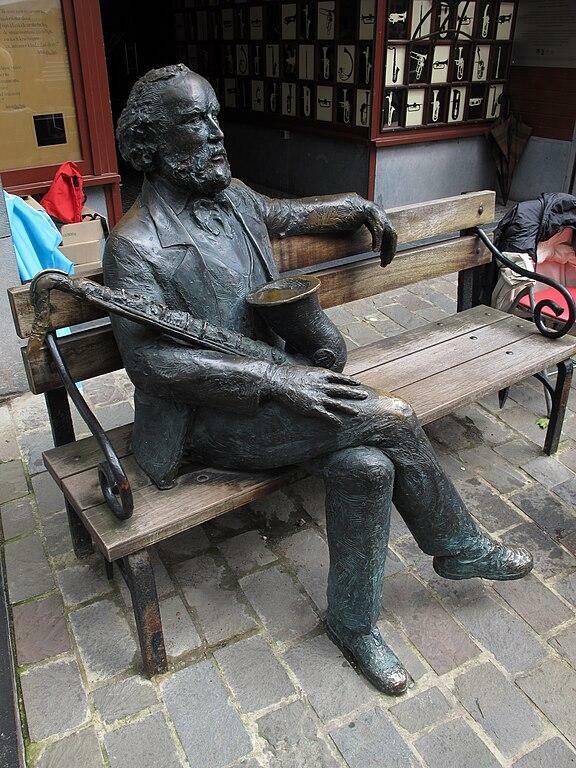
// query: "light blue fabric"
[[36, 239]]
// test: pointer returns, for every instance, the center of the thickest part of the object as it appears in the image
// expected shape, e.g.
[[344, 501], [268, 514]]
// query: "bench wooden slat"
[[192, 501], [413, 223], [367, 278], [408, 342], [443, 392], [94, 352], [84, 454], [88, 353], [451, 353]]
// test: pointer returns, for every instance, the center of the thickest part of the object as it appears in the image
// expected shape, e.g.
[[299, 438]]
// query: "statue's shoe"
[[371, 656], [499, 564]]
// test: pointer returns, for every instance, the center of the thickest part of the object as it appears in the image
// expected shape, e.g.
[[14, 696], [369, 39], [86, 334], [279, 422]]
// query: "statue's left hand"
[[384, 237]]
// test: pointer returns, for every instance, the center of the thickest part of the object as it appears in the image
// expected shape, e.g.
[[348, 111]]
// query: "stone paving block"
[[393, 564], [439, 639], [454, 745], [332, 686], [553, 754], [119, 700], [545, 509], [537, 605], [79, 750], [413, 302], [27, 569], [214, 596], [393, 637], [80, 583], [370, 738], [566, 586], [54, 699], [547, 471], [57, 534], [198, 704], [432, 313], [408, 320], [566, 491], [552, 687], [503, 634], [504, 713], [32, 644], [32, 444], [308, 553], [254, 674], [8, 446], [282, 608], [519, 450], [104, 640], [29, 412], [12, 481], [486, 506], [49, 497], [230, 524], [422, 711], [276, 513], [183, 545], [549, 559], [452, 433], [246, 552], [523, 421], [114, 415], [361, 333], [340, 315], [490, 430], [568, 456], [17, 518], [147, 743], [292, 739], [311, 494], [494, 469], [441, 300], [180, 635], [565, 644]]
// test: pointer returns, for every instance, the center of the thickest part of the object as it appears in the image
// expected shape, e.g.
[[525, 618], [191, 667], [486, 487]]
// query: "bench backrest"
[[94, 352]]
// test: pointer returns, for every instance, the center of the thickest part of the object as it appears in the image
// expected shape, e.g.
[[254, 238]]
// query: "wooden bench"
[[436, 368]]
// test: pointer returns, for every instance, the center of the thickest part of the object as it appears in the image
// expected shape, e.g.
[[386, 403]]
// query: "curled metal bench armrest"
[[552, 333], [113, 481]]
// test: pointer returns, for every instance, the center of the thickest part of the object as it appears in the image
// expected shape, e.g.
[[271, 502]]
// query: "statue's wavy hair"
[[136, 131]]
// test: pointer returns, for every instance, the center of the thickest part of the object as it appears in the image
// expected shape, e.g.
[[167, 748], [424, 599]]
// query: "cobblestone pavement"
[[254, 680]]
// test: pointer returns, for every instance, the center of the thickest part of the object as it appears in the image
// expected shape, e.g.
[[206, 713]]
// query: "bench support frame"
[[63, 433], [139, 576], [559, 400]]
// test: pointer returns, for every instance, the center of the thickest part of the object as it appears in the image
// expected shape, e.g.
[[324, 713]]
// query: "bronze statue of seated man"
[[198, 241]]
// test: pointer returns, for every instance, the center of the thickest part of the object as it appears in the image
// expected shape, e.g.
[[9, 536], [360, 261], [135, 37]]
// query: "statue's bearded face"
[[191, 150]]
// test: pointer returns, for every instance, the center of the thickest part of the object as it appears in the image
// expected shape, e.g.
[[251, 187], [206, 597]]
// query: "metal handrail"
[[113, 481], [551, 333]]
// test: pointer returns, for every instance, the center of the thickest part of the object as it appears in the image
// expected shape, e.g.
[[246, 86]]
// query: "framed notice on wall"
[[38, 121]]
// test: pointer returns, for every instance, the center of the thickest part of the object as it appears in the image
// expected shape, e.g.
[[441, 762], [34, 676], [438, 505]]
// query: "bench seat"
[[436, 368]]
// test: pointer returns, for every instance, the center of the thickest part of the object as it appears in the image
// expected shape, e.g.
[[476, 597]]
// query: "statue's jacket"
[[152, 254]]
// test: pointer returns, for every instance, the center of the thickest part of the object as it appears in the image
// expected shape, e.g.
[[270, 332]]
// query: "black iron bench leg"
[[81, 541], [559, 401], [139, 575]]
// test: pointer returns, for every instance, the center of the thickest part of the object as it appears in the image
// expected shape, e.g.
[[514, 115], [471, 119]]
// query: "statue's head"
[[169, 127]]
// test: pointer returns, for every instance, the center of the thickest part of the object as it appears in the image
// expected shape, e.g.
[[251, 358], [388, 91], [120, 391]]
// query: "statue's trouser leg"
[[359, 483], [388, 449], [423, 495]]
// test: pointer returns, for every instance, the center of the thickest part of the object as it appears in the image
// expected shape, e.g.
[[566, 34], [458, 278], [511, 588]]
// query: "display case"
[[382, 71]]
